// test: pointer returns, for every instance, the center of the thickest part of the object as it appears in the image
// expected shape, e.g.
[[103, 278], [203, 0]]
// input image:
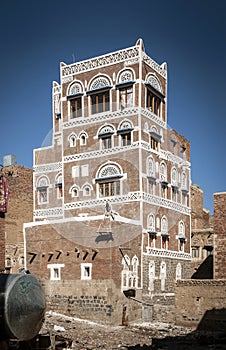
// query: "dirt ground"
[[85, 335]]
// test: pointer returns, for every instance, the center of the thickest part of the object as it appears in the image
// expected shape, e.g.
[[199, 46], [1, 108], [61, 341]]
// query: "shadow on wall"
[[210, 333], [205, 270]]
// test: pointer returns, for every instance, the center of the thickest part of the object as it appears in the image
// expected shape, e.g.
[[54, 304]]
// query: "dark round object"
[[22, 306]]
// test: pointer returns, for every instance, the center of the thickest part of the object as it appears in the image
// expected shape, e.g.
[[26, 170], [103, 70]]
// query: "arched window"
[[174, 176], [134, 274], [74, 97], [126, 262], [178, 271], [155, 138], [86, 189], [164, 233], [83, 137], [59, 186], [105, 136], [151, 222], [150, 167], [72, 140], [184, 180], [99, 92], [162, 275], [174, 184], [74, 191], [162, 171], [43, 190], [154, 95], [181, 236], [108, 180], [125, 89], [151, 274], [125, 133]]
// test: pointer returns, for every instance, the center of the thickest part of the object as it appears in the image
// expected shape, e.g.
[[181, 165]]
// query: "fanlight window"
[[109, 181], [125, 133], [106, 137], [75, 100], [100, 95], [75, 89], [154, 82]]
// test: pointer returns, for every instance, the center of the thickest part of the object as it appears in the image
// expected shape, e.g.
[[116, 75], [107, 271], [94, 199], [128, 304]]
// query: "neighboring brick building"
[[112, 193], [202, 237], [202, 301], [20, 210], [220, 235]]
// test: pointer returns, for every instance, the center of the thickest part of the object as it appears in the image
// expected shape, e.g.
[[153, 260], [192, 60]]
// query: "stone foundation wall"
[[201, 302], [97, 301]]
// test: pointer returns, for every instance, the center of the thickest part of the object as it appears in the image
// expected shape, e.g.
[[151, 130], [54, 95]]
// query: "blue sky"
[[35, 36]]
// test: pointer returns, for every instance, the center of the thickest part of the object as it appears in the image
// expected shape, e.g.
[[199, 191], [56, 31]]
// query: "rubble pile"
[[84, 335]]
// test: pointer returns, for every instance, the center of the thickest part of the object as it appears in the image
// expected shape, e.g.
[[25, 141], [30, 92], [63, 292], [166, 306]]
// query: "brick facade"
[[20, 210], [220, 235], [202, 241]]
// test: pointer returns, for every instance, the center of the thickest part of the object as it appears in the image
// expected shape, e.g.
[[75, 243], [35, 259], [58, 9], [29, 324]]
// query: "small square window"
[[86, 271]]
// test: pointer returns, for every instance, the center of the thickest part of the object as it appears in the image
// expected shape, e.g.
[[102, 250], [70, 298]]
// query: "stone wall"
[[99, 301], [220, 235], [201, 303], [2, 242], [20, 210]]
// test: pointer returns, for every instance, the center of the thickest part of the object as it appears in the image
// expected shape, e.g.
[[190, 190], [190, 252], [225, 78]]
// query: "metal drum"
[[22, 306]]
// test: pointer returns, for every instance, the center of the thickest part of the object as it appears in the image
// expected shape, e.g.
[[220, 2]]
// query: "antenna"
[[73, 58]]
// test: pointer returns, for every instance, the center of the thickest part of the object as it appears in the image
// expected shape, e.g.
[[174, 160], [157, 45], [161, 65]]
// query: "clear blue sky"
[[36, 35]]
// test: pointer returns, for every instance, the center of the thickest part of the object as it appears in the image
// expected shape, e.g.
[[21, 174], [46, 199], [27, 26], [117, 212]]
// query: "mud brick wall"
[[20, 210], [201, 303], [2, 242], [220, 235]]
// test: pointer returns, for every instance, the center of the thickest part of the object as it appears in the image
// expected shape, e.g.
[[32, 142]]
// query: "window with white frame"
[[181, 236], [178, 271], [43, 190], [83, 138], [72, 140], [74, 98], [174, 184], [155, 139], [151, 231], [150, 167], [154, 95], [86, 189], [75, 171], [74, 191], [134, 274], [164, 233], [125, 133], [151, 275], [105, 136], [55, 271], [108, 180], [86, 271], [125, 277], [99, 94], [85, 170], [125, 89], [162, 276], [59, 186]]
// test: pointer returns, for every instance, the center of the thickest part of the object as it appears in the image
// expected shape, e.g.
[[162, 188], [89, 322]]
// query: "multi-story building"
[[112, 193]]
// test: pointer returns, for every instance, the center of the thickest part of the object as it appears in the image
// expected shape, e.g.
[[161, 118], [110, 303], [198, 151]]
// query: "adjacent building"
[[112, 213]]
